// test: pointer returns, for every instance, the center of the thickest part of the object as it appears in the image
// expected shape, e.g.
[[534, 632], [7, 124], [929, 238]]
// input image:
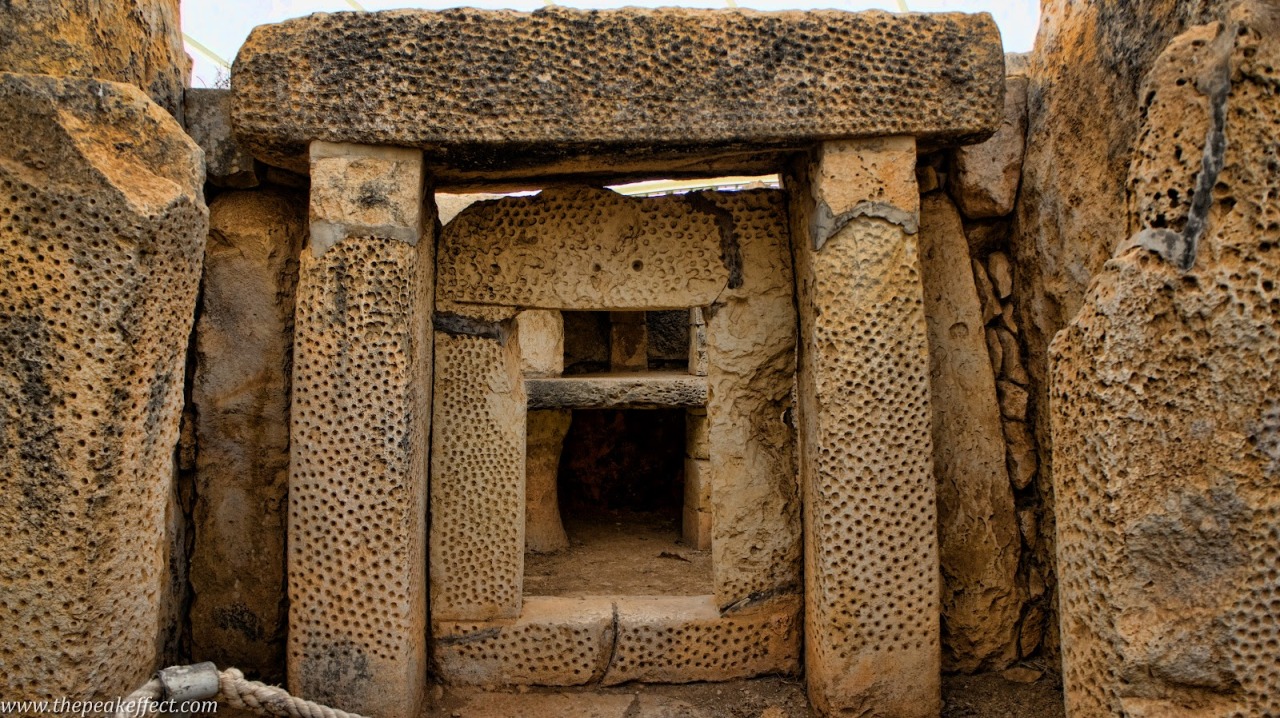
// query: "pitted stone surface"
[[586, 248], [244, 351], [554, 642], [679, 639], [133, 41], [477, 478], [102, 233], [751, 337], [1165, 419], [866, 467], [481, 89], [357, 498]]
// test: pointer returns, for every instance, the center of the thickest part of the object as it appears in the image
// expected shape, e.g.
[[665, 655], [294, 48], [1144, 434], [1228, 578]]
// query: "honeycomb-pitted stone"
[[871, 559], [477, 476], [679, 639], [491, 89], [751, 338], [357, 496], [1166, 424], [586, 248], [555, 642], [102, 233]]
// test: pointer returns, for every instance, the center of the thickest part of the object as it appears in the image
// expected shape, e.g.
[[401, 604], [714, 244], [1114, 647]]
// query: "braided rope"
[[263, 699], [238, 692]]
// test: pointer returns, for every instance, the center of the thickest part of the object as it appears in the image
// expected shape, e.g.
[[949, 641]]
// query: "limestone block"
[[138, 42], [477, 476], [697, 442], [1164, 410], [751, 338], [1001, 271], [207, 118], [1023, 460], [586, 248], [359, 190], [986, 293], [554, 642], [244, 348], [359, 445], [102, 233], [984, 177], [635, 390], [697, 518], [544, 531], [681, 639], [1013, 400], [562, 83], [995, 350], [541, 334], [977, 527], [699, 363], [628, 341], [1012, 367], [871, 624]]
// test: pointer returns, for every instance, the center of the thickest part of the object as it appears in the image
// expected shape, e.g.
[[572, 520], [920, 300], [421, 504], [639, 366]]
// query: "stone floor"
[[1030, 694]]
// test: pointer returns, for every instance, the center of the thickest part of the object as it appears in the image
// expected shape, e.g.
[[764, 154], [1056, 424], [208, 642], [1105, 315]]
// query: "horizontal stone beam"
[[641, 391], [485, 91]]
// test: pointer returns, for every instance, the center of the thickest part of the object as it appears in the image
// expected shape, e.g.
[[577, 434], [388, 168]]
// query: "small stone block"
[[541, 334], [364, 191]]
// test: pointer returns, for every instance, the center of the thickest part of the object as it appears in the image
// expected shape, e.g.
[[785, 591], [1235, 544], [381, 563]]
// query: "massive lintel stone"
[[485, 91], [102, 232]]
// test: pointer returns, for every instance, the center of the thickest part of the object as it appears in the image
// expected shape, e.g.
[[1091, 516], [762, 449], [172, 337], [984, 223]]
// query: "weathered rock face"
[[1083, 114], [984, 177], [102, 230], [1165, 420], [207, 118], [978, 537], [133, 41], [244, 346], [538, 87], [544, 438]]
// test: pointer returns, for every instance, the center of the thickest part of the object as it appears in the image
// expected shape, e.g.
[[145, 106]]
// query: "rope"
[[270, 700], [238, 692]]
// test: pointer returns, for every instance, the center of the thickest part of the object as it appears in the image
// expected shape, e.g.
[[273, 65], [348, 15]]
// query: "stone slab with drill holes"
[[487, 91]]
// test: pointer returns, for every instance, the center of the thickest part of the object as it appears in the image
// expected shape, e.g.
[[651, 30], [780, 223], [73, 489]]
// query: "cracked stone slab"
[[493, 90], [642, 390]]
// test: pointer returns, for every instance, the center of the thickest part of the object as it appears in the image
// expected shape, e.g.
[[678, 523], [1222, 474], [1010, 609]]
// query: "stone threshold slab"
[[641, 390], [612, 640]]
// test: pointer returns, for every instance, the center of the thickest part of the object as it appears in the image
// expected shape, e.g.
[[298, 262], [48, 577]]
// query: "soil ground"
[[983, 696], [620, 554]]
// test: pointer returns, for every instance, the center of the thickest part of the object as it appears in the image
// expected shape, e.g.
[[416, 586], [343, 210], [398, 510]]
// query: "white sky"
[[222, 25]]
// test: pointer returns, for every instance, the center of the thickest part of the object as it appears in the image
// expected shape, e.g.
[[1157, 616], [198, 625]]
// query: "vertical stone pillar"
[[696, 524], [871, 556], [544, 531], [628, 341], [360, 427]]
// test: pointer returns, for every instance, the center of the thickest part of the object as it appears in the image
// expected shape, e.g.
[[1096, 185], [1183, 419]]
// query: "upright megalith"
[[102, 232], [1165, 422]]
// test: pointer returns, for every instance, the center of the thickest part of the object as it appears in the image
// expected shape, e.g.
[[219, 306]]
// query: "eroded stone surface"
[[751, 337], [871, 627], [241, 392], [207, 118], [984, 177], [544, 439], [1164, 412], [541, 335], [587, 248], [978, 537], [357, 522], [637, 390], [133, 41], [495, 89], [361, 191], [102, 233]]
